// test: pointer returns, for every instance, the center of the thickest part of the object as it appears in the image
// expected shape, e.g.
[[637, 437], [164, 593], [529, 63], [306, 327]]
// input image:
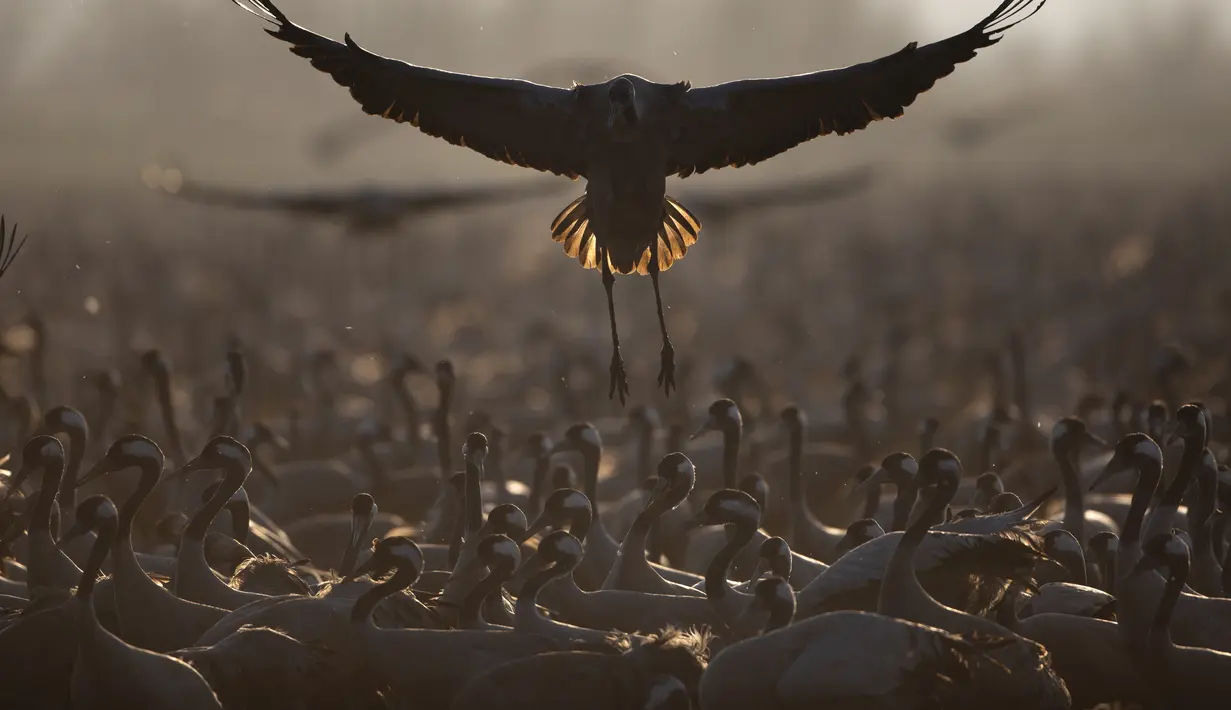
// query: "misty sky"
[[99, 87]]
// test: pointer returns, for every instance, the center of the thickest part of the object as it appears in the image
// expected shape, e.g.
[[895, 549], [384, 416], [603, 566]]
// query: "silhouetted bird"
[[369, 208], [625, 136]]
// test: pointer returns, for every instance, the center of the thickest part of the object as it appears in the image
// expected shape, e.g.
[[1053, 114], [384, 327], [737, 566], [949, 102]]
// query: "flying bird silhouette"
[[723, 205], [343, 135], [626, 135], [369, 208]]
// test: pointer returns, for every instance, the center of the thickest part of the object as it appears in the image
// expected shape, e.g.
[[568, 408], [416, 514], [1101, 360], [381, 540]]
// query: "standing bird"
[[626, 135]]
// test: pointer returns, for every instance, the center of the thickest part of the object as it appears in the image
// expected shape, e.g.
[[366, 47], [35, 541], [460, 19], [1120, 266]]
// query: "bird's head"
[[623, 118]]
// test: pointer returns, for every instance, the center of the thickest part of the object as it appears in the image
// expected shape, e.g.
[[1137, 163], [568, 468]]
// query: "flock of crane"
[[287, 553], [357, 569]]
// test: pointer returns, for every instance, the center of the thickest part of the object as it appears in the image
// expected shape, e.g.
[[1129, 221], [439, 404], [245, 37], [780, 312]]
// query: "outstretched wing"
[[426, 199], [509, 120], [311, 202], [745, 122], [728, 203], [9, 246]]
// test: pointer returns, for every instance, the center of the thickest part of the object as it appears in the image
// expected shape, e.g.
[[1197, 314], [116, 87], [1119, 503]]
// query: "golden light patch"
[[415, 121], [872, 112], [389, 110]]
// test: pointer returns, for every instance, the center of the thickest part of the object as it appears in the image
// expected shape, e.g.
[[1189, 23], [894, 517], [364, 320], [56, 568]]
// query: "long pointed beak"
[[1145, 564], [707, 427], [1177, 434], [757, 572], [700, 520], [876, 477], [1114, 466], [540, 523], [76, 531], [14, 482], [1096, 440], [561, 447], [368, 566], [98, 470], [194, 465]]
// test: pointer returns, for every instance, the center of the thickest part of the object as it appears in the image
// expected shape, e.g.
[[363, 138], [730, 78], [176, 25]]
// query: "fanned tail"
[[572, 229], [678, 231]]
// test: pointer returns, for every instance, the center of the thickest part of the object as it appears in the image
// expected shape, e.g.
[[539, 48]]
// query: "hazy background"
[[1097, 223], [93, 88]]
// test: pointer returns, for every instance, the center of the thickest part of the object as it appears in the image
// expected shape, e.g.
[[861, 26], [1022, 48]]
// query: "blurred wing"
[[433, 198], [310, 202], [817, 189], [509, 120], [745, 122]]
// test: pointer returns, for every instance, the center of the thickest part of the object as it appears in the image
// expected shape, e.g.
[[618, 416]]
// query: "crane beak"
[[699, 520], [876, 477], [1114, 466], [369, 566], [193, 465], [710, 424], [98, 470], [77, 530], [1098, 441]]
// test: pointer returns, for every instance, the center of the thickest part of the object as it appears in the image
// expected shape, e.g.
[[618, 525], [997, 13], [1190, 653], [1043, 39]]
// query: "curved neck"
[[780, 616], [68, 482], [1074, 504], [471, 613], [716, 585], [351, 556], [361, 612], [494, 469], [151, 471], [542, 464], [872, 500], [1108, 571], [106, 531], [730, 456], [240, 516], [1190, 461], [474, 497], [410, 410], [1160, 630], [939, 499], [444, 449], [40, 517], [795, 461], [459, 530], [231, 482], [162, 385], [528, 600], [900, 586], [645, 451], [579, 526], [591, 460], [903, 503], [1148, 474]]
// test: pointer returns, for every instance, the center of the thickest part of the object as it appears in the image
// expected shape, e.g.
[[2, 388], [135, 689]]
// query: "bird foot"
[[666, 372], [619, 379]]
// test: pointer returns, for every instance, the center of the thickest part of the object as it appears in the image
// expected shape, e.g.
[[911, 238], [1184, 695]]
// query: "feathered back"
[[266, 574]]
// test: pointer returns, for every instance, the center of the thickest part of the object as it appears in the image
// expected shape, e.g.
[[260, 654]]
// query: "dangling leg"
[[666, 372], [619, 380]]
